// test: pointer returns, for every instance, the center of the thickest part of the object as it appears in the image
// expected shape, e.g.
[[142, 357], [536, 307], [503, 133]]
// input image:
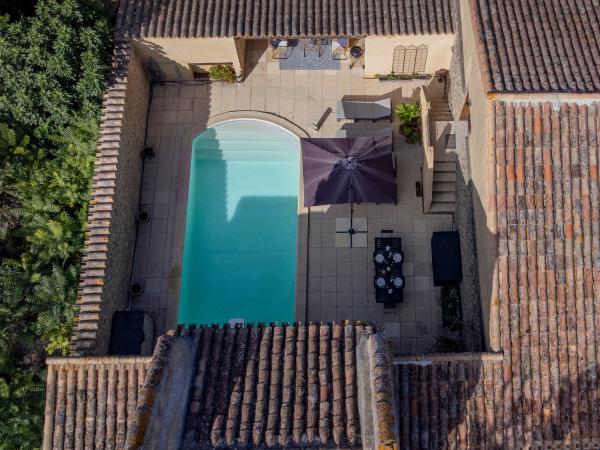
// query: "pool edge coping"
[[187, 139]]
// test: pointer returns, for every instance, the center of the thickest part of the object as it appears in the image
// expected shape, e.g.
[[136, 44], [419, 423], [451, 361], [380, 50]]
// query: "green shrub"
[[52, 75], [403, 76], [450, 338], [222, 72], [451, 308], [409, 115]]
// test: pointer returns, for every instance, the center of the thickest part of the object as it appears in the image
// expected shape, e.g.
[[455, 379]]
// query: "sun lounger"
[[351, 133], [371, 110]]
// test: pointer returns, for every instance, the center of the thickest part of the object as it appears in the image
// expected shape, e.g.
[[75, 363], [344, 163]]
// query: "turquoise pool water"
[[241, 228]]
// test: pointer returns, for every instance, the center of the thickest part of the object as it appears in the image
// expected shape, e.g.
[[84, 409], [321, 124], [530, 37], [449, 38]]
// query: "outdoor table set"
[[388, 280]]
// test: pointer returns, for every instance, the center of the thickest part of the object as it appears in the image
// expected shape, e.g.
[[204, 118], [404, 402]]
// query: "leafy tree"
[[17, 8], [52, 65], [52, 75]]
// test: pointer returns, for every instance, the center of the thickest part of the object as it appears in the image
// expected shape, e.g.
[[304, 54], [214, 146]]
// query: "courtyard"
[[333, 283]]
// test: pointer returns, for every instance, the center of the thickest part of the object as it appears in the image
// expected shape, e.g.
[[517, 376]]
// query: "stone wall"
[[464, 216], [162, 407], [110, 236]]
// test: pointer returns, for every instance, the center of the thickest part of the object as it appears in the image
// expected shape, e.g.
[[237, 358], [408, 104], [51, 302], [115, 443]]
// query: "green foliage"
[[408, 112], [402, 76], [409, 115], [52, 64], [22, 399], [222, 72], [451, 308], [450, 339], [9, 196], [52, 76]]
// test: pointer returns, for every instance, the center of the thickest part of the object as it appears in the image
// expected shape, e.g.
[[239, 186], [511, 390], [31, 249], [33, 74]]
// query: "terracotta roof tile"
[[541, 46], [292, 18], [451, 401], [274, 386], [91, 402], [549, 267]]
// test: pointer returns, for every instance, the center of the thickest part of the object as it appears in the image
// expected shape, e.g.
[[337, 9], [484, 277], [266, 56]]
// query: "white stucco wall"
[[379, 52]]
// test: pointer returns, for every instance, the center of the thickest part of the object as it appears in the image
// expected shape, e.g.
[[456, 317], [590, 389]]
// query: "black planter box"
[[131, 333], [445, 256]]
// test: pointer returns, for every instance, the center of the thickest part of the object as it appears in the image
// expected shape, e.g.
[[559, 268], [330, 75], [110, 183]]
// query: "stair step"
[[443, 186], [444, 166], [440, 117], [441, 208], [443, 176], [437, 197], [441, 155]]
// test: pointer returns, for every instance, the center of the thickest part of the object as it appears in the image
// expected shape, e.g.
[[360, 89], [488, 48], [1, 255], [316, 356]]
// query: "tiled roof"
[[538, 46], [275, 386], [548, 224], [291, 18], [542, 391], [451, 401], [269, 387], [91, 402]]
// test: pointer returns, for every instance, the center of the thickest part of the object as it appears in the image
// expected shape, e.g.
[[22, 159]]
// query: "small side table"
[[356, 53]]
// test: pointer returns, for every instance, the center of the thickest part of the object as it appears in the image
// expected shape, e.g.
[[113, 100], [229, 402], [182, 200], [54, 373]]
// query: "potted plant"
[[136, 289], [409, 115], [449, 339], [222, 72], [402, 76], [142, 216], [387, 77]]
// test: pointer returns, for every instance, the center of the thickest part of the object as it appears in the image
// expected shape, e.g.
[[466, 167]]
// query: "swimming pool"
[[239, 258]]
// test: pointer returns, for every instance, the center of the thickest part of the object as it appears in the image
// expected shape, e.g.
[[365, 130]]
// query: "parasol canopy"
[[348, 170]]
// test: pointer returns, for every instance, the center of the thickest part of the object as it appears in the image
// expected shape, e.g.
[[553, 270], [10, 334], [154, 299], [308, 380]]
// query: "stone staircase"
[[443, 196]]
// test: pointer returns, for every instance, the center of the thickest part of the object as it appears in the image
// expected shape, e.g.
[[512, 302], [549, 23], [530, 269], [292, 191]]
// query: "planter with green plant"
[[449, 339], [402, 76], [410, 115], [222, 72]]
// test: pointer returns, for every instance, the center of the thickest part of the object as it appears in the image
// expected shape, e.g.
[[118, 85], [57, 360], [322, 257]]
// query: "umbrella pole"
[[351, 230], [351, 224]]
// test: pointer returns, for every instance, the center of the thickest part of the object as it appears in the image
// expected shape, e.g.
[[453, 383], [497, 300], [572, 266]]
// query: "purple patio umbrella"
[[348, 170]]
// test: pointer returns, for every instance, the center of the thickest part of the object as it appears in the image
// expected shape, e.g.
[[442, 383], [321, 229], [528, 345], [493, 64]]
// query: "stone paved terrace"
[[339, 284]]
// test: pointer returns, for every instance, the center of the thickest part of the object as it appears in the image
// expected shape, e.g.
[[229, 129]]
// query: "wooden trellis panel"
[[409, 59]]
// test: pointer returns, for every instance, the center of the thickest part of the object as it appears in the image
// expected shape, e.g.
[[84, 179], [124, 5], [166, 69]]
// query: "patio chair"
[[312, 45], [340, 47], [370, 110], [280, 48]]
